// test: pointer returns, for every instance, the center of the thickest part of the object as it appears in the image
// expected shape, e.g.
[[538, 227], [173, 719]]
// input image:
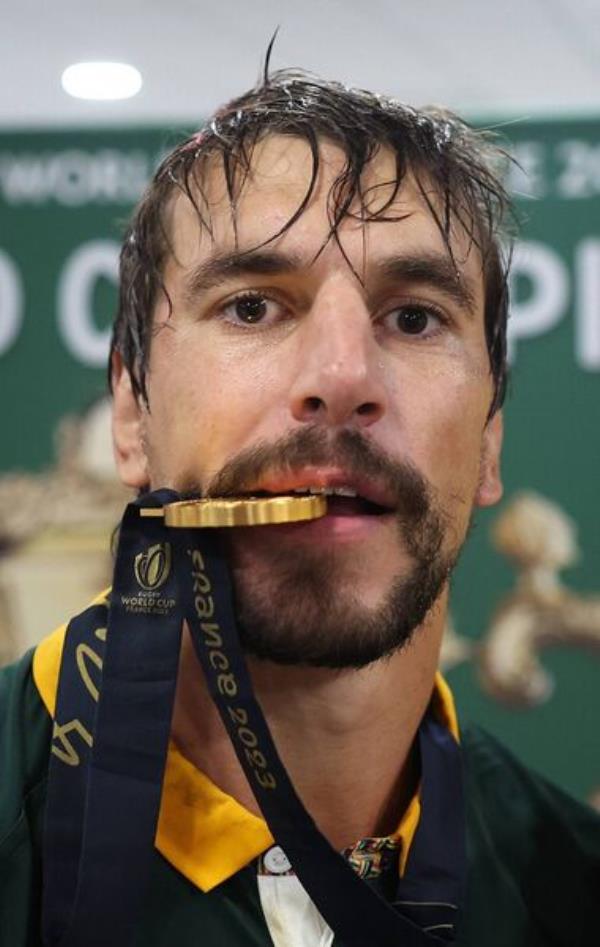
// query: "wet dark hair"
[[436, 146]]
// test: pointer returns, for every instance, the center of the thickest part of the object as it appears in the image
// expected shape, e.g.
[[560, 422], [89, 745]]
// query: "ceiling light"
[[101, 80]]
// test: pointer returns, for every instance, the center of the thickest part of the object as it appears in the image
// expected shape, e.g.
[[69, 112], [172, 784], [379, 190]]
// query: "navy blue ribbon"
[[104, 799]]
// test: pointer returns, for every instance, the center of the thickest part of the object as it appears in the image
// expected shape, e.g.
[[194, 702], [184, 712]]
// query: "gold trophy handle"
[[251, 511]]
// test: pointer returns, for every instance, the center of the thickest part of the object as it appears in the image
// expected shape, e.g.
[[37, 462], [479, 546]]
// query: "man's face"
[[360, 369]]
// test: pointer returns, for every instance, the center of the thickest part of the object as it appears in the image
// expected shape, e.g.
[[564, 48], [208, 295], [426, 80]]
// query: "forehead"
[[280, 177]]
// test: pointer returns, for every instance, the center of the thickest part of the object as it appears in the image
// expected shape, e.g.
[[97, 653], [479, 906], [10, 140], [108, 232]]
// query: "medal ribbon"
[[106, 768]]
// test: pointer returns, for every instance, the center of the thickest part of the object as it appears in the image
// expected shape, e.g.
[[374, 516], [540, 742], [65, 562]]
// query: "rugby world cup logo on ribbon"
[[152, 567]]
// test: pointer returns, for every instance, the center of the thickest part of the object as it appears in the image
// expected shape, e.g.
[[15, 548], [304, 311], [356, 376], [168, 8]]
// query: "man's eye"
[[413, 319], [251, 308]]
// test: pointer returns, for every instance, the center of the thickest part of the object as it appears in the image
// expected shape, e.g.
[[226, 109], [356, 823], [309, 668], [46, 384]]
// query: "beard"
[[295, 604], [302, 615]]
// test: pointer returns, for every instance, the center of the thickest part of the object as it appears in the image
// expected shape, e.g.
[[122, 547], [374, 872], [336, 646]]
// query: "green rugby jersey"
[[533, 853]]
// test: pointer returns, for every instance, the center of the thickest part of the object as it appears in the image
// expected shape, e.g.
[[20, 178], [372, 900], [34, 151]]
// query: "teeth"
[[344, 492], [327, 491]]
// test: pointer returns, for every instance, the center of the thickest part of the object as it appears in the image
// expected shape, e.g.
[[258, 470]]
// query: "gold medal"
[[251, 511]]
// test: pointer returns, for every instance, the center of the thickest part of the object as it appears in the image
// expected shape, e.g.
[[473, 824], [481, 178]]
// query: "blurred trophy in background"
[[55, 532]]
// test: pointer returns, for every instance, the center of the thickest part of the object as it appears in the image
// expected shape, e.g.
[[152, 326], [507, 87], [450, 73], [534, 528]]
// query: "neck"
[[345, 737]]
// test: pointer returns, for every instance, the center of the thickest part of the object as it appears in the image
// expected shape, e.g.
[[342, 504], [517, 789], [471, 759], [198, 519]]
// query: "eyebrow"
[[427, 267], [432, 269], [228, 265]]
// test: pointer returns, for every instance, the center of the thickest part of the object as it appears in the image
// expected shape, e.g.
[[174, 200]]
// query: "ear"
[[127, 426], [489, 490]]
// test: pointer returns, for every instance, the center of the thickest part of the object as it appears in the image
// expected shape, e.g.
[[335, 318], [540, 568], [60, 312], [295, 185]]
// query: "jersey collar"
[[202, 831]]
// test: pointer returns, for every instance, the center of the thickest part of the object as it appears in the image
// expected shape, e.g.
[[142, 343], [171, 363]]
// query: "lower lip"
[[332, 527]]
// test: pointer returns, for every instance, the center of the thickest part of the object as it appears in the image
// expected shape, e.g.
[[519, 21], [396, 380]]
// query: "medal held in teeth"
[[249, 511]]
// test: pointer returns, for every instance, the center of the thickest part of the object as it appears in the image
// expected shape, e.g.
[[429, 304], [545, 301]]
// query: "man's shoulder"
[[517, 804], [27, 700], [533, 849], [24, 738], [25, 730], [28, 689], [495, 777]]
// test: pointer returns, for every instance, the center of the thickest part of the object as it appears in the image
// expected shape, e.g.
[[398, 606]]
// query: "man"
[[313, 300]]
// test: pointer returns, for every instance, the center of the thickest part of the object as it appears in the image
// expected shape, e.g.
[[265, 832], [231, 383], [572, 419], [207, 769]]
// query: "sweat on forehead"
[[284, 188], [447, 159]]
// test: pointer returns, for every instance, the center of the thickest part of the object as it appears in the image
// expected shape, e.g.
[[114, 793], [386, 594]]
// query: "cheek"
[[447, 426], [211, 406]]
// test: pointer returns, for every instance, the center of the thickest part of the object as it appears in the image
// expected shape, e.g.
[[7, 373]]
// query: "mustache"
[[313, 445]]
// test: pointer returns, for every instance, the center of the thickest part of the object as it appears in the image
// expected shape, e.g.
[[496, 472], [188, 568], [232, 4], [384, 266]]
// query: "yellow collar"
[[203, 832]]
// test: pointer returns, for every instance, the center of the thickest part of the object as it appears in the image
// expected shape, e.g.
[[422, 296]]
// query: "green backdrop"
[[63, 199]]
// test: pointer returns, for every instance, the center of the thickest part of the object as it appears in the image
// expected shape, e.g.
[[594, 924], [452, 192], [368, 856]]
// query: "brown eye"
[[251, 309], [413, 319]]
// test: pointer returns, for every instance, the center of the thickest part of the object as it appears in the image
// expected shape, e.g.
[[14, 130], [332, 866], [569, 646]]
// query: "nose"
[[340, 377]]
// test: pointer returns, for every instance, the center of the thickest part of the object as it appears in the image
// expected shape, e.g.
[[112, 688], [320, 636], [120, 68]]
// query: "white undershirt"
[[292, 918]]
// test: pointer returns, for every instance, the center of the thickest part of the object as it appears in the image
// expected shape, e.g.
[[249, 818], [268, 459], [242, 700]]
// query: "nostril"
[[313, 404], [368, 409]]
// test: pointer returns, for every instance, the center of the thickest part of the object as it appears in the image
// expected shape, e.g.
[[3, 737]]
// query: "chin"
[[306, 613]]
